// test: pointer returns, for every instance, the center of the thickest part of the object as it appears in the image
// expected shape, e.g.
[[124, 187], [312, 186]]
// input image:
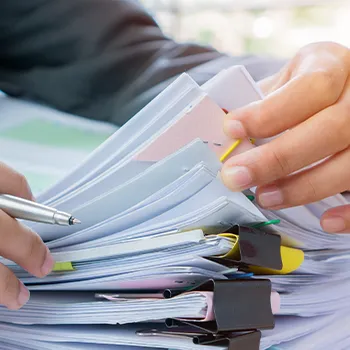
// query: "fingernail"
[[48, 264], [237, 177], [23, 295], [334, 224], [270, 197], [234, 128]]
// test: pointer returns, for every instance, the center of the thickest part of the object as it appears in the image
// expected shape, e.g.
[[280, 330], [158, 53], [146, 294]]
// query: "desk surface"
[[45, 144]]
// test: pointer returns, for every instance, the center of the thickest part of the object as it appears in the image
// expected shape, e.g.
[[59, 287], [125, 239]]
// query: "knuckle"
[[347, 56], [310, 189], [327, 82], [303, 53], [8, 285], [299, 56], [340, 124], [280, 165], [2, 220], [257, 123], [22, 185], [346, 108], [33, 248], [343, 129], [308, 48]]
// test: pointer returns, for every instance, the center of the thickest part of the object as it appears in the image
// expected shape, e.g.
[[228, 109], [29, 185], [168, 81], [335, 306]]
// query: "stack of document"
[[167, 257]]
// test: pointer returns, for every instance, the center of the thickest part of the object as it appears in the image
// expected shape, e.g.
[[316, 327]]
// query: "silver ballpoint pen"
[[20, 208]]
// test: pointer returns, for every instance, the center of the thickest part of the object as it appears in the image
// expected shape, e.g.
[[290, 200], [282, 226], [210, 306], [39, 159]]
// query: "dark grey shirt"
[[102, 59]]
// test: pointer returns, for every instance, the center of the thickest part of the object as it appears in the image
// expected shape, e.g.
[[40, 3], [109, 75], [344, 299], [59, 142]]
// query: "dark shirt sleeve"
[[102, 59]]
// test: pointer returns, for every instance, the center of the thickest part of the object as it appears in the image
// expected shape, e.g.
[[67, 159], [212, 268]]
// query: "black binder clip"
[[239, 341], [238, 305], [233, 341], [256, 247], [241, 308]]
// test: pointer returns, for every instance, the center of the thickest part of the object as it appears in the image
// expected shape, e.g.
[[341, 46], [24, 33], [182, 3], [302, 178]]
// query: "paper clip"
[[230, 150], [267, 223], [250, 197], [233, 147]]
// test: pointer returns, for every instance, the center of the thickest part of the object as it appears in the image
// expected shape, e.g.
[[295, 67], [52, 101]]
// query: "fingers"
[[309, 92], [337, 220], [270, 84], [308, 186], [19, 244], [323, 135], [11, 182], [23, 246], [13, 294]]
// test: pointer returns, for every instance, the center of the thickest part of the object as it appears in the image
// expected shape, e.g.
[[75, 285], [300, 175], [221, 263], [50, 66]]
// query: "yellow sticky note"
[[63, 266], [291, 259]]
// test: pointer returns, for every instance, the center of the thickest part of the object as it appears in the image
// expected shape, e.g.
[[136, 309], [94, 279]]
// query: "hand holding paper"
[[318, 129], [157, 217]]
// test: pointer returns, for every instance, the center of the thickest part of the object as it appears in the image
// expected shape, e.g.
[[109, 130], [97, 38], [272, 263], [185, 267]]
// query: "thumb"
[[337, 220]]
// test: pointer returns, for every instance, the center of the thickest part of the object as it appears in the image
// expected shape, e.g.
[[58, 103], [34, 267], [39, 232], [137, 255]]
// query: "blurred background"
[[274, 27]]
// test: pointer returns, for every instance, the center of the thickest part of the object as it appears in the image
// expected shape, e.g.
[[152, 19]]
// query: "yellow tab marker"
[[63, 266], [292, 259]]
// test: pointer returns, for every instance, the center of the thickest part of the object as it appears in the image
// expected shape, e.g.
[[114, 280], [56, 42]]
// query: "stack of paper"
[[158, 224]]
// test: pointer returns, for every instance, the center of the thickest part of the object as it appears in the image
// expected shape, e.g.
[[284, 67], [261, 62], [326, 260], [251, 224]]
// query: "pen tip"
[[75, 221]]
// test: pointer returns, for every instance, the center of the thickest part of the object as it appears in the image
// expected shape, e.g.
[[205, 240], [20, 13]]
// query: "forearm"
[[82, 56], [102, 59]]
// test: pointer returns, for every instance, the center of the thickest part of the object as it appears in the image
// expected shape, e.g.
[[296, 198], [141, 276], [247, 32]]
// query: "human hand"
[[307, 105], [19, 244]]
